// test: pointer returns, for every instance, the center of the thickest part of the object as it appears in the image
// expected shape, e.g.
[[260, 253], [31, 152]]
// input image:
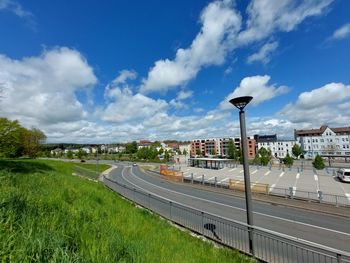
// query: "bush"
[[288, 160], [318, 163]]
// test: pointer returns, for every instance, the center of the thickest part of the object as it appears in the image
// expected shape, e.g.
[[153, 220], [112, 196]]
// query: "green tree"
[[184, 152], [264, 155], [288, 160], [32, 141], [318, 163], [297, 150], [131, 147], [11, 138], [166, 156], [70, 154], [198, 152], [232, 150]]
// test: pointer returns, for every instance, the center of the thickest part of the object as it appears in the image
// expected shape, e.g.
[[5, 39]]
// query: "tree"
[[198, 152], [131, 147], [232, 150], [184, 152], [70, 154], [264, 155], [32, 142], [297, 151], [288, 160], [318, 163], [11, 138], [166, 156]]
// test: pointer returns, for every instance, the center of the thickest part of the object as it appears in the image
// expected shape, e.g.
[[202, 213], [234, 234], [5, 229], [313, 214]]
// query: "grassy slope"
[[48, 215]]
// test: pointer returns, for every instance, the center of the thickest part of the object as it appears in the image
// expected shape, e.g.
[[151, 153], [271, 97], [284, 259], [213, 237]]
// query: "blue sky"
[[86, 71]]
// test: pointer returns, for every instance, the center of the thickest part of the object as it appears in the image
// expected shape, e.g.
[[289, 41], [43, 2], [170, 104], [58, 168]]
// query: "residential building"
[[279, 148], [186, 147], [220, 146], [324, 141]]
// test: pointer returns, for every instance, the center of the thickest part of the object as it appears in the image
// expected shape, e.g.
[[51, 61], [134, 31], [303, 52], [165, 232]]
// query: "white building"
[[279, 148], [324, 141], [186, 147]]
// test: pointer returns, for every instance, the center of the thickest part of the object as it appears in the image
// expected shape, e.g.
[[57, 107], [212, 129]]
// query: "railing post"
[[203, 179], [191, 178], [202, 222], [216, 181], [170, 204], [320, 196], [149, 201], [291, 192], [339, 258]]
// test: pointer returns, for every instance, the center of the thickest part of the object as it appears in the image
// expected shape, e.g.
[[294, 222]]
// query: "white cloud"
[[341, 33], [184, 94], [123, 76], [263, 54], [126, 106], [321, 105], [256, 86], [266, 17], [220, 23], [41, 90], [18, 10], [221, 33]]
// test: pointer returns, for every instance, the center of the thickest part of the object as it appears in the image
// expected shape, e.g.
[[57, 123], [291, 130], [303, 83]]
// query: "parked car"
[[344, 175], [134, 164]]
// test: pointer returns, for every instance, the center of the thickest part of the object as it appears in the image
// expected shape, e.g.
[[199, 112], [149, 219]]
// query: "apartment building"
[[279, 148], [220, 146], [324, 141]]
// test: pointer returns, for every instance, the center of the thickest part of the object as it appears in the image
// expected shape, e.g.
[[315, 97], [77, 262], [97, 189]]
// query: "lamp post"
[[240, 103]]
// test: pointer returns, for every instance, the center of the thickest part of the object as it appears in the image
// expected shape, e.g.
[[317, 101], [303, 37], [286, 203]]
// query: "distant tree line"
[[16, 141]]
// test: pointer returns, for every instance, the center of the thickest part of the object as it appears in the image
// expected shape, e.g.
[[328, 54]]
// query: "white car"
[[344, 175]]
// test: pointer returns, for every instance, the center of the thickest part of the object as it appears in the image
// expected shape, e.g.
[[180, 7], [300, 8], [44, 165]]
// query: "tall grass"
[[48, 215]]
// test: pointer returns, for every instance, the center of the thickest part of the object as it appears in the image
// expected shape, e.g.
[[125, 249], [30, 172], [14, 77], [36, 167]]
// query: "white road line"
[[198, 177], [295, 184], [211, 178], [294, 190], [186, 172], [316, 177], [254, 172], [241, 171], [223, 180], [232, 169], [267, 172], [281, 174], [348, 196], [298, 175], [317, 182], [217, 203], [272, 186]]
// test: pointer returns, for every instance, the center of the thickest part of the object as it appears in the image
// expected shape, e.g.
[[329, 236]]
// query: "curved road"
[[328, 230]]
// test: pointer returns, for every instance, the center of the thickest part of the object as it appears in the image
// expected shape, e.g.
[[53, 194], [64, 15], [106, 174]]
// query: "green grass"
[[48, 215], [88, 170]]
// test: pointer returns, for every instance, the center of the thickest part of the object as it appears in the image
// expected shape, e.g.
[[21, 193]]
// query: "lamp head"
[[241, 102]]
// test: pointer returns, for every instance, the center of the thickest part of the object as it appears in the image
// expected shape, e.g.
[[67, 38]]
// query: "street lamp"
[[240, 103]]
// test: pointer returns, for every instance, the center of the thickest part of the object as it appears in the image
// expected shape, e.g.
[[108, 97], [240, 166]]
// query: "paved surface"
[[325, 229], [278, 179]]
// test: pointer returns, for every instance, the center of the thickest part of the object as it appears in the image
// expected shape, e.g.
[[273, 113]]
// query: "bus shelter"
[[210, 163]]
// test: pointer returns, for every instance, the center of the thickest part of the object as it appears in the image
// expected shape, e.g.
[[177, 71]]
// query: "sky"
[[116, 71]]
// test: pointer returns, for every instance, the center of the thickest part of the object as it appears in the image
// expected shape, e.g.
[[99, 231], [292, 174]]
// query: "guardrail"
[[269, 246], [321, 197]]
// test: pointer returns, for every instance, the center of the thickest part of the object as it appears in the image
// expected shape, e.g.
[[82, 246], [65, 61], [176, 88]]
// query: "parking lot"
[[302, 182]]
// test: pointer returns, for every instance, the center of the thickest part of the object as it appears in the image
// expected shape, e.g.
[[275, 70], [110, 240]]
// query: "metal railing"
[[269, 246], [320, 196]]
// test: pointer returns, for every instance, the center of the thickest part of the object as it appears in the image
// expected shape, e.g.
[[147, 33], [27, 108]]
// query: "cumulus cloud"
[[41, 90], [123, 76], [263, 54], [126, 106], [221, 33], [266, 17], [256, 86], [220, 23], [321, 105], [341, 33]]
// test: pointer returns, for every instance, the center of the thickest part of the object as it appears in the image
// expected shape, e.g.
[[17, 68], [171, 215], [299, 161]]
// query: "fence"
[[321, 197], [269, 246]]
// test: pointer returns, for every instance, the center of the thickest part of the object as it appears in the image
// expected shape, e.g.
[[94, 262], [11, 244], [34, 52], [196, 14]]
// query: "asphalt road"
[[328, 230]]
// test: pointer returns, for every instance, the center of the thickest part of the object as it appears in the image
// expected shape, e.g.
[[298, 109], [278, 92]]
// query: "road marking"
[[298, 175], [316, 177], [210, 178], [294, 190], [217, 203], [241, 171], [199, 177], [232, 169], [272, 186], [295, 184], [348, 196], [254, 172], [186, 172], [223, 180], [267, 172], [317, 183], [281, 174]]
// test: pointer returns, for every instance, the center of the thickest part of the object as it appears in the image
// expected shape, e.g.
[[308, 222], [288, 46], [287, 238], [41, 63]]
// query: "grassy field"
[[48, 215]]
